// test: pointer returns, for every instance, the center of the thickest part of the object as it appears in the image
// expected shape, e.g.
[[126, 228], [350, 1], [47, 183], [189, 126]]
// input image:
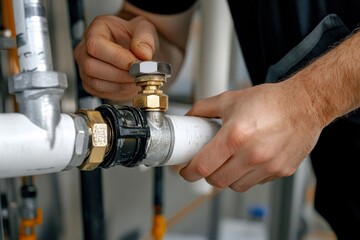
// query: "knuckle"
[[90, 90], [258, 157], [88, 66], [273, 170], [202, 170], [277, 170], [96, 84], [236, 138], [288, 171], [239, 188], [91, 45], [119, 56], [217, 182]]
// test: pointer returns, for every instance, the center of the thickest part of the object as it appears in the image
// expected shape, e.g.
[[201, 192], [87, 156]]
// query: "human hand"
[[267, 131], [109, 46]]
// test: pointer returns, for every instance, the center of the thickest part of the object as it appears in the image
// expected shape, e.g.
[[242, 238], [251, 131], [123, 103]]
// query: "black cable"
[[159, 221], [92, 205], [77, 27], [91, 181], [158, 190]]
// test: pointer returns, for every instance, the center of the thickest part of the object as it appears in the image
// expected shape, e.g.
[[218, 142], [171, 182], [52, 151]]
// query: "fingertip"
[[181, 172], [207, 107], [144, 39], [190, 174], [143, 51], [189, 113], [184, 174]]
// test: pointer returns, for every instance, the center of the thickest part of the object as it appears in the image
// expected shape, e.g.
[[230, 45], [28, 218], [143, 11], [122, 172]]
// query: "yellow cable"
[[9, 23], [184, 211], [27, 226]]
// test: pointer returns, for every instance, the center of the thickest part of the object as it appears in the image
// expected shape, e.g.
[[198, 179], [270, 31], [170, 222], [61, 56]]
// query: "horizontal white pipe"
[[25, 148], [190, 134]]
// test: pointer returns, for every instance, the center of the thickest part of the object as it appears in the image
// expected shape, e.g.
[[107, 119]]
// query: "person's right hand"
[[108, 48]]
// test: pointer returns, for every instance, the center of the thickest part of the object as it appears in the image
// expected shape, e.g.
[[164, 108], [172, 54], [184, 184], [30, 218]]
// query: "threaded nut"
[[81, 141], [151, 102], [98, 130]]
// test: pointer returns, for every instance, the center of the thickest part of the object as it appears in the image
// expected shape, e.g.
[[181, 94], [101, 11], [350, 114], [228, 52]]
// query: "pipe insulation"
[[25, 149]]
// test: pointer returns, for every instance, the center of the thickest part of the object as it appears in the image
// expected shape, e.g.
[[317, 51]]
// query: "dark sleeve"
[[163, 7]]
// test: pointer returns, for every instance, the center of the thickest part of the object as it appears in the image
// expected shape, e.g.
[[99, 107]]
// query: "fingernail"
[[146, 49]]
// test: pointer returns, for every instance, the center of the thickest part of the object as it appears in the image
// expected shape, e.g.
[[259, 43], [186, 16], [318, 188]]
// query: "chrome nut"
[[82, 137], [98, 131], [150, 67], [37, 80], [151, 102]]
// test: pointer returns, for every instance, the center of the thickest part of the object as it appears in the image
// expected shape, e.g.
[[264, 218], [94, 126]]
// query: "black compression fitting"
[[129, 135]]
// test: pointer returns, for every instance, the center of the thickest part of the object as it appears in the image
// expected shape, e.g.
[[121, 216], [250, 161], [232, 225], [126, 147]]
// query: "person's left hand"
[[266, 132]]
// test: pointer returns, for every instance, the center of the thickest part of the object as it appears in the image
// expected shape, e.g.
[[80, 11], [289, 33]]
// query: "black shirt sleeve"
[[163, 7]]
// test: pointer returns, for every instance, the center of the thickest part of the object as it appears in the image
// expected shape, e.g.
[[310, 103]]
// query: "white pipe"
[[214, 58], [25, 149], [189, 135], [215, 48]]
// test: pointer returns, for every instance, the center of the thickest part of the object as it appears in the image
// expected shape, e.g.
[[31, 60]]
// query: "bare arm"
[[332, 82]]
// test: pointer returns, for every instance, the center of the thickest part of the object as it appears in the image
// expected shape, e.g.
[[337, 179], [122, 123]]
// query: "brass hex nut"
[[151, 102], [98, 131]]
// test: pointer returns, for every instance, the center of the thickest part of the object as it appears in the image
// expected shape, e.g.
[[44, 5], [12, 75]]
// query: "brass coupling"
[[99, 142], [150, 76]]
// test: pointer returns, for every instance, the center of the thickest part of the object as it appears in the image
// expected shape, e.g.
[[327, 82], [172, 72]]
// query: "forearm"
[[331, 84]]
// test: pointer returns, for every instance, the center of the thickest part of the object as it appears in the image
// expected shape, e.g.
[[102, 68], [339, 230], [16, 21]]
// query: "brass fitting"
[[150, 76], [98, 131], [151, 98]]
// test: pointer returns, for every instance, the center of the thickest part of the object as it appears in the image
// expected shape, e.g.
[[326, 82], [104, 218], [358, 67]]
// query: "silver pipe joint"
[[38, 95]]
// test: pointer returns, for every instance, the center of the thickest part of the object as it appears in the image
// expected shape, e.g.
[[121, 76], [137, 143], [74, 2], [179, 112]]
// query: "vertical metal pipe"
[[38, 89], [32, 36]]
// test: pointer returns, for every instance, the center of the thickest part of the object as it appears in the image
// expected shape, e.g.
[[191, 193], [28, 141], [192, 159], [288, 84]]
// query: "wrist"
[[331, 83]]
